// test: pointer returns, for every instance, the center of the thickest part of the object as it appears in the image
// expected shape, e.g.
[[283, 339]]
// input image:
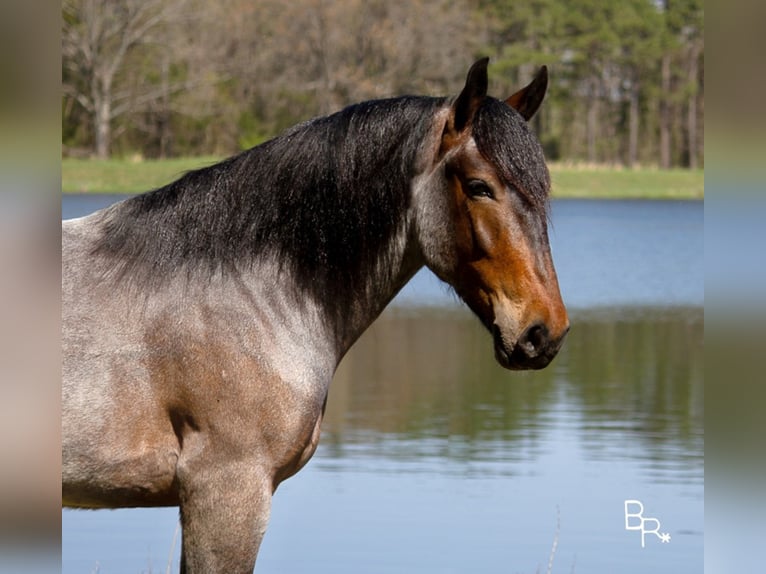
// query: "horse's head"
[[483, 227]]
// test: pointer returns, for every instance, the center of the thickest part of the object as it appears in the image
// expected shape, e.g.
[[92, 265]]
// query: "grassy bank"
[[124, 175], [644, 183], [133, 176]]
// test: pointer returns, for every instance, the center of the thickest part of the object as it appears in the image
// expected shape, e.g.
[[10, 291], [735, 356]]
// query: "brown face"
[[484, 234], [502, 265]]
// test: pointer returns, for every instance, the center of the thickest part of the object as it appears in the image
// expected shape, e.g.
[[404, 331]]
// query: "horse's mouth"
[[533, 349], [517, 356]]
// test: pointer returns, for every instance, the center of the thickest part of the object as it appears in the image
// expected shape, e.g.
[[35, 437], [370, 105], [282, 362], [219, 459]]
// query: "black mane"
[[324, 197]]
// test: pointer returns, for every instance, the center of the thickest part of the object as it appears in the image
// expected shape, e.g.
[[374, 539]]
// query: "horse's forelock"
[[505, 139]]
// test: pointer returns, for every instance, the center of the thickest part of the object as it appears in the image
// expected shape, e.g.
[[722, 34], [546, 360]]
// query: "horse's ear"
[[527, 100], [473, 93]]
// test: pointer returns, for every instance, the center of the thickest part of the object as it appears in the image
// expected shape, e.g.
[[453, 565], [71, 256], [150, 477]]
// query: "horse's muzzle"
[[533, 350]]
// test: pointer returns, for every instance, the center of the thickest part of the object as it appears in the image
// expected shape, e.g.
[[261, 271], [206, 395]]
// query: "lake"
[[434, 459]]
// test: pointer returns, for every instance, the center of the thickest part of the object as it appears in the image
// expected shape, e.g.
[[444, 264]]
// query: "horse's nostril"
[[534, 339]]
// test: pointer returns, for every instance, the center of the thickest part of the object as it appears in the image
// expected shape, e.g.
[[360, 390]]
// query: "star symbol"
[[665, 537]]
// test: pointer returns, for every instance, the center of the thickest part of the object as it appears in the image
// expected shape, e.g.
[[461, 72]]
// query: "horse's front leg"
[[224, 512]]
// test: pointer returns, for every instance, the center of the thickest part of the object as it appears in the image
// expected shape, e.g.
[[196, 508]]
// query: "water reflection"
[[422, 385]]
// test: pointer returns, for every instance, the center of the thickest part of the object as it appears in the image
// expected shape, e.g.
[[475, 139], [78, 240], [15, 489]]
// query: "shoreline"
[[569, 180]]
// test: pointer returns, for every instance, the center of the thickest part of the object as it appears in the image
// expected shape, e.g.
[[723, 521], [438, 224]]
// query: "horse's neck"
[[402, 256], [395, 266], [339, 314], [308, 334]]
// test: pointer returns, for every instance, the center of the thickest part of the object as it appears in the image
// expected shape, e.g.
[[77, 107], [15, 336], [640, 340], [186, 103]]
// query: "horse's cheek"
[[485, 234], [442, 245]]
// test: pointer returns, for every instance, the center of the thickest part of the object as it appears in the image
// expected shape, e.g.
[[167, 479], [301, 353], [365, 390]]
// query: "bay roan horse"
[[203, 321]]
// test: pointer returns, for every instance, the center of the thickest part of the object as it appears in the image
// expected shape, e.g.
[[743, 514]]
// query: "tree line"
[[164, 78]]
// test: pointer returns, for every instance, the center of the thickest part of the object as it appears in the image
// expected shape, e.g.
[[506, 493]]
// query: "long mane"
[[323, 197]]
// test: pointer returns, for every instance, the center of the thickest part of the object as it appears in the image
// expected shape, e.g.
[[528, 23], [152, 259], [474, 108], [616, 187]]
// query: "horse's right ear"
[[528, 99], [473, 93]]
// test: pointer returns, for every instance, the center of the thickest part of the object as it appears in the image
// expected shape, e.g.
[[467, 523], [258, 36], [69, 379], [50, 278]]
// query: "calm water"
[[433, 459]]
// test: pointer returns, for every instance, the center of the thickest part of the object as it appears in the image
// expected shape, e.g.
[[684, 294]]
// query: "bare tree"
[[98, 38], [665, 112]]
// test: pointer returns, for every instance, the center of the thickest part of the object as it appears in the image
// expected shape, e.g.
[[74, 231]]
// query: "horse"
[[203, 320]]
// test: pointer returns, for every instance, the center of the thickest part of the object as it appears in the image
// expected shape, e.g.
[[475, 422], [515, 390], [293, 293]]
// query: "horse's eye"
[[479, 188]]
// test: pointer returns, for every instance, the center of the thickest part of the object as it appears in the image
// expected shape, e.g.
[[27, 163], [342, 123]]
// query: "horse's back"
[[80, 289], [78, 313]]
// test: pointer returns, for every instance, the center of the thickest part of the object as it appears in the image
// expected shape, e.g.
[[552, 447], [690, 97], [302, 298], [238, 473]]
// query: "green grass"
[[134, 176], [606, 182], [124, 175]]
